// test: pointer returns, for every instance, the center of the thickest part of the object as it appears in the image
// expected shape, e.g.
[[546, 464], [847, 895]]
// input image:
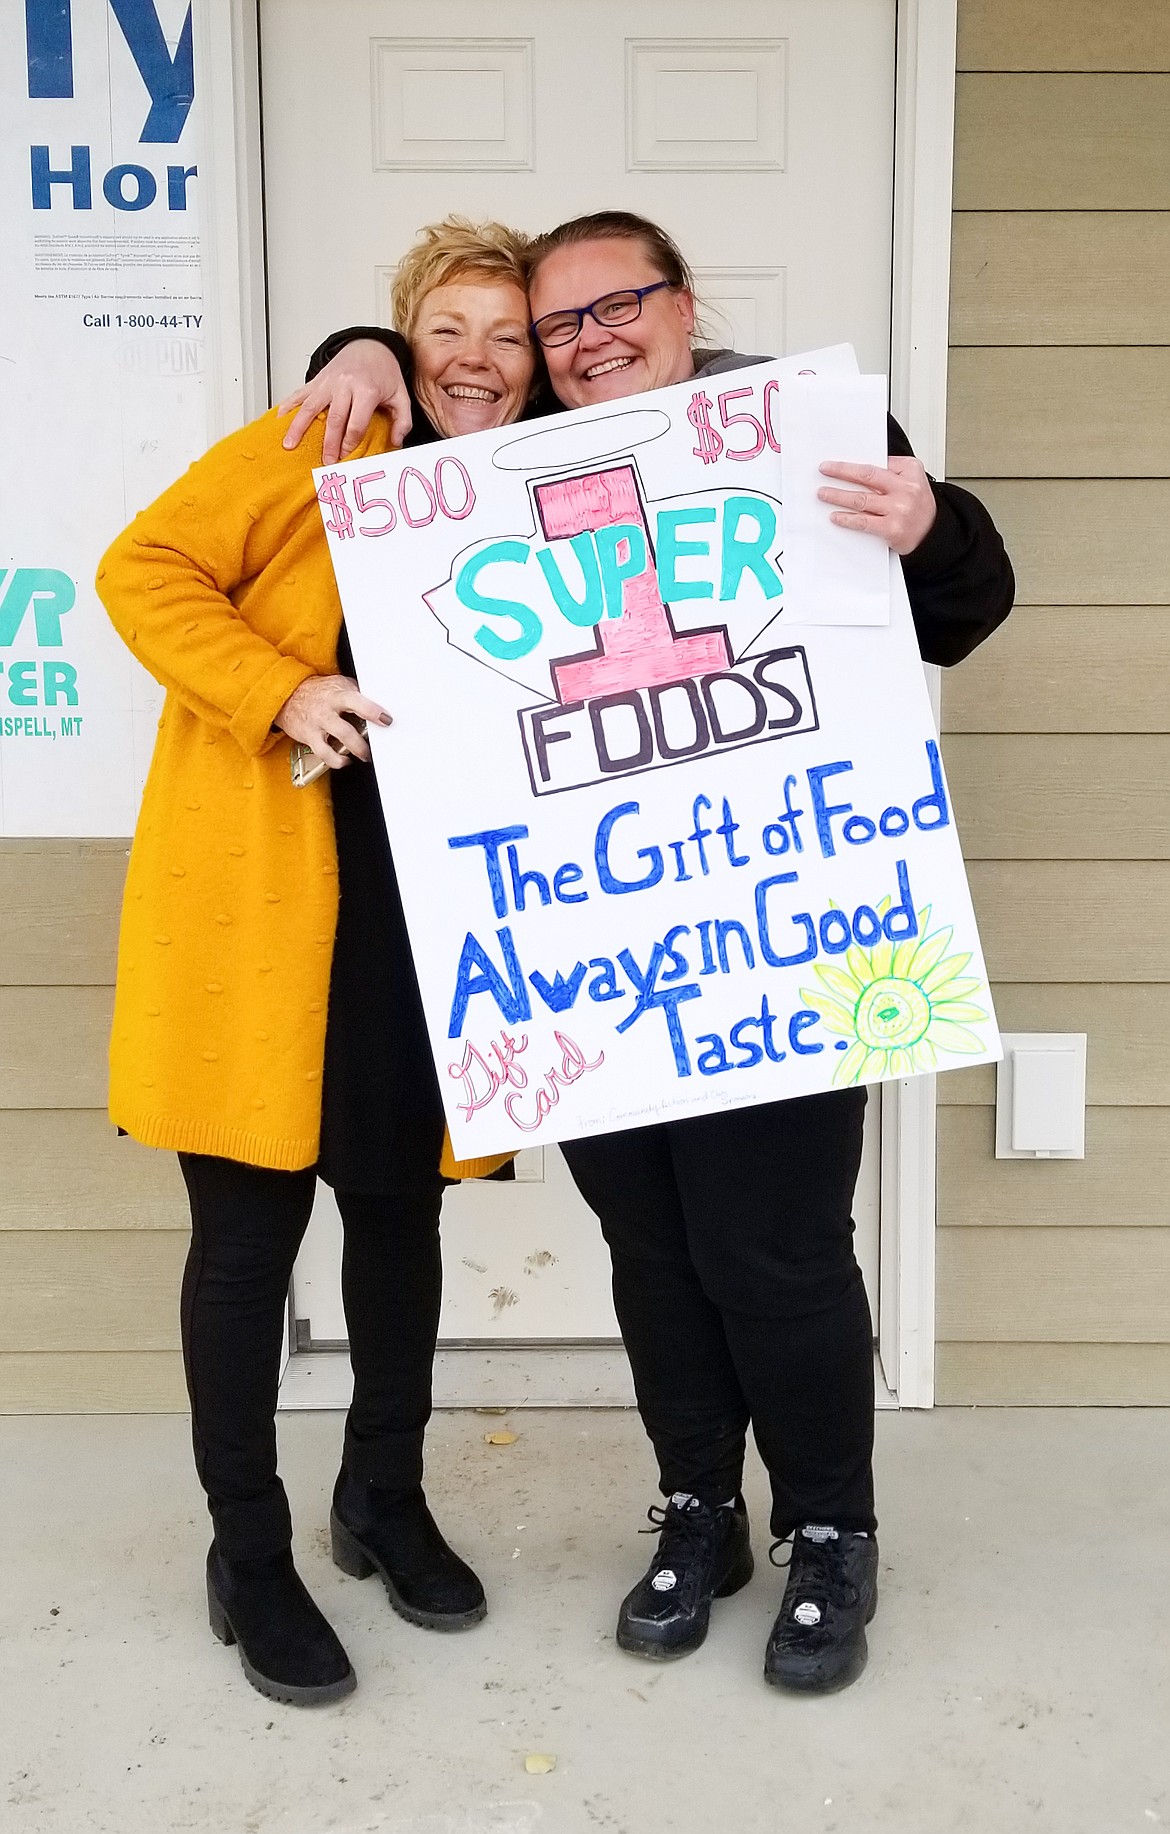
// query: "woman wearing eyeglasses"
[[734, 1277]]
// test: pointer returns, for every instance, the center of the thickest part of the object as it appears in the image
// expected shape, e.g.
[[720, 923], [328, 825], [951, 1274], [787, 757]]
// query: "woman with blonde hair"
[[267, 1023]]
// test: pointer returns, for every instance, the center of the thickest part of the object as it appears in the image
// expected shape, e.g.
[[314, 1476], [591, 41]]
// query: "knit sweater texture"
[[224, 590]]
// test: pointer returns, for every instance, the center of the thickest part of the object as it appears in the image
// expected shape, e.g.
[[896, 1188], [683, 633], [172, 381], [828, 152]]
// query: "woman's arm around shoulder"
[[350, 375]]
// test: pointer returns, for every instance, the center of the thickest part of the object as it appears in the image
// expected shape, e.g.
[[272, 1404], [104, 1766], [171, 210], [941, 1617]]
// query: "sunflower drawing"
[[899, 1006]]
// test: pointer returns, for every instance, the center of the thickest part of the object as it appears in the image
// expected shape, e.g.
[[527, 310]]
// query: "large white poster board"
[[672, 836], [102, 337]]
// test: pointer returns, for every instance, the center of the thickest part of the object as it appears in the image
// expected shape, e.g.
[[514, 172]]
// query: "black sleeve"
[[959, 581], [337, 340]]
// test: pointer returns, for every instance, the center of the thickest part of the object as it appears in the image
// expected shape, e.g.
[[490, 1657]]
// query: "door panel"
[[525, 1262], [766, 149], [761, 135]]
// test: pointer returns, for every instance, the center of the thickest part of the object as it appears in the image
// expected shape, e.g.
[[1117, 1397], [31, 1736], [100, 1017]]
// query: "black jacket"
[[959, 581]]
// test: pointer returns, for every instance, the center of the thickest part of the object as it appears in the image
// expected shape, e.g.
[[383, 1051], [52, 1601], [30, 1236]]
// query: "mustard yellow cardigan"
[[224, 590]]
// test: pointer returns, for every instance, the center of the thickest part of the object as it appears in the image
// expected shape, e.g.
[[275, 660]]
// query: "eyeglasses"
[[611, 309]]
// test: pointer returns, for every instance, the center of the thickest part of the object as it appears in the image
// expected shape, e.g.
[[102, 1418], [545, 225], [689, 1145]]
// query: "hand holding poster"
[[671, 837]]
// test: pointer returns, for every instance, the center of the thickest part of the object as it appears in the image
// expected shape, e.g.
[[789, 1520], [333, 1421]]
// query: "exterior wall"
[[1054, 1279], [92, 1228]]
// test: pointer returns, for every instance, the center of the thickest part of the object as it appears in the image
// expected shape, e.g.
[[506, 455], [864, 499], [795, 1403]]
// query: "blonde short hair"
[[455, 249]]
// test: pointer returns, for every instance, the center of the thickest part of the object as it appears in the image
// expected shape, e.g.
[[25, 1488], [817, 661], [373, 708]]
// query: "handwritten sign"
[[673, 835]]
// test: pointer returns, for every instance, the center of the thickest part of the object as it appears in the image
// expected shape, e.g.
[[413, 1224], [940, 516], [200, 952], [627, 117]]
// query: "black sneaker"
[[818, 1641], [702, 1554], [396, 1536]]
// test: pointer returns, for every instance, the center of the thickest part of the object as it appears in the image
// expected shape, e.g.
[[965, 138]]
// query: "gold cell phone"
[[305, 767]]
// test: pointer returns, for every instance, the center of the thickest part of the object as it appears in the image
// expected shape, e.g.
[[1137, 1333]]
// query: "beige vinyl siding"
[[1097, 1284], [83, 1382], [1089, 35], [1084, 541], [97, 1180], [1128, 1026], [1060, 413], [1098, 796], [1054, 1278], [93, 1229], [1126, 1149], [1067, 668], [1047, 140], [62, 900], [1036, 277], [76, 1289]]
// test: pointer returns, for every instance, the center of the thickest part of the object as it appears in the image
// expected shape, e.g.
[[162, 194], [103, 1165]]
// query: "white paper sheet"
[[832, 575]]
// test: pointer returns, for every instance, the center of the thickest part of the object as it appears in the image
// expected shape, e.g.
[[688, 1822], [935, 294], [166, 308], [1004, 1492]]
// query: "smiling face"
[[603, 364], [473, 356]]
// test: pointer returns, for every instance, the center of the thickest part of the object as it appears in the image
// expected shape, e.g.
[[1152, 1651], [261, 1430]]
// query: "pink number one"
[[640, 649]]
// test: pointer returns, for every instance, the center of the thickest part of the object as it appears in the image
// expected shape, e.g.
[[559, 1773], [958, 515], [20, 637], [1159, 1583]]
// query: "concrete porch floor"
[[1019, 1673]]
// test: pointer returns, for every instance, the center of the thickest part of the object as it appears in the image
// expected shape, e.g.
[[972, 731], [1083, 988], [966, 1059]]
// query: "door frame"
[[232, 199], [924, 143]]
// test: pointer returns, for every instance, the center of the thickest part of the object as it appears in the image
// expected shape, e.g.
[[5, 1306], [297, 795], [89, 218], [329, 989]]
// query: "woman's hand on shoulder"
[[315, 714], [362, 377]]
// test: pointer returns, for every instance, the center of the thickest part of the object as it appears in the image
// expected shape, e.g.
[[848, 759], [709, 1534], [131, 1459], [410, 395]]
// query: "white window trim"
[[924, 136], [226, 48], [231, 202]]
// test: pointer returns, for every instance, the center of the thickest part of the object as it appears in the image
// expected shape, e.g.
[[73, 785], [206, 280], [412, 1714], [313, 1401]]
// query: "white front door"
[[761, 135]]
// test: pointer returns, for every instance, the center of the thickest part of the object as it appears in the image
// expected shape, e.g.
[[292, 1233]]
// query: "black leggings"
[[246, 1226], [740, 1299]]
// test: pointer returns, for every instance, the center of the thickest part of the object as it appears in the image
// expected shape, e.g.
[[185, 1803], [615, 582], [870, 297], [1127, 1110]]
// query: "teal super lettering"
[[529, 627], [589, 609], [742, 556], [672, 548], [618, 566]]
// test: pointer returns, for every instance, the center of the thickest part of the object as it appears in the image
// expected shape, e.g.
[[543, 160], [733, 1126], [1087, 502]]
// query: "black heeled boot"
[[288, 1649], [393, 1534]]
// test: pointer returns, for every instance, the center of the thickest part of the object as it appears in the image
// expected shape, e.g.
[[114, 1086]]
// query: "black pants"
[[246, 1227], [740, 1299]]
